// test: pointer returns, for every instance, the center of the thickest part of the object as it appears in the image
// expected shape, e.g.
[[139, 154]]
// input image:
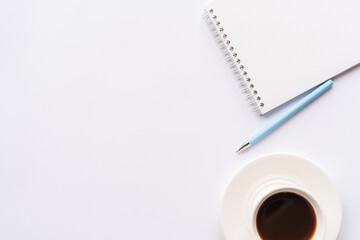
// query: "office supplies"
[[287, 114], [282, 48]]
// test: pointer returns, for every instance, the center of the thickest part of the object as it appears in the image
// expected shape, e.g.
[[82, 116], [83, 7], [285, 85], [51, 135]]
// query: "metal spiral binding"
[[233, 60]]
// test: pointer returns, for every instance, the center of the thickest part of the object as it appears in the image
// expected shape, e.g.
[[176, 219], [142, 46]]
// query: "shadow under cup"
[[286, 213]]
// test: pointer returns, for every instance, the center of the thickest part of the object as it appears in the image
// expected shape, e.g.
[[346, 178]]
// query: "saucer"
[[298, 170]]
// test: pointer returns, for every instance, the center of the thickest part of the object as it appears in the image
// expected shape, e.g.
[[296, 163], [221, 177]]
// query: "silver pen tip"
[[245, 145]]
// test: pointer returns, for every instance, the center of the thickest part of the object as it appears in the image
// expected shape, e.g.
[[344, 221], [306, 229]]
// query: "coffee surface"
[[286, 216]]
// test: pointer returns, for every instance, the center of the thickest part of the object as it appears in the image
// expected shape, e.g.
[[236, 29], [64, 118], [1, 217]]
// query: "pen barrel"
[[288, 113]]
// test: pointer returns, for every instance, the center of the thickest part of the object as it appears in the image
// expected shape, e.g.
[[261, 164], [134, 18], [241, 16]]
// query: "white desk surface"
[[119, 120]]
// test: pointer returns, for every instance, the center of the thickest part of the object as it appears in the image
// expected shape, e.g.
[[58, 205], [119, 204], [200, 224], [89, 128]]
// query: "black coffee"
[[286, 216]]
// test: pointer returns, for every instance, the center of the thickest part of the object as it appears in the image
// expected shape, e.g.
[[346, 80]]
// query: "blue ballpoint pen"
[[287, 114]]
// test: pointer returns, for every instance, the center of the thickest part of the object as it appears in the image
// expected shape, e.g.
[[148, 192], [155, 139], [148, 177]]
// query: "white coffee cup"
[[270, 187], [270, 174]]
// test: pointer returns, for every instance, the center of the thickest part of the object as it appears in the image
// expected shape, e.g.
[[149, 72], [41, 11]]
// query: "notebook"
[[282, 48]]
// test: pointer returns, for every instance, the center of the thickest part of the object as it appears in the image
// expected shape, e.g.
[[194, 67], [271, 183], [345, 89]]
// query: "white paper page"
[[286, 52]]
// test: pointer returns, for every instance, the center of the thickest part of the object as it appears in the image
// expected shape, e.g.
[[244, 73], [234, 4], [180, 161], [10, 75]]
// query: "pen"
[[287, 114]]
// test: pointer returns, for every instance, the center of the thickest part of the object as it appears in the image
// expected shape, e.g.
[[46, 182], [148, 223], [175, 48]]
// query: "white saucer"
[[304, 173]]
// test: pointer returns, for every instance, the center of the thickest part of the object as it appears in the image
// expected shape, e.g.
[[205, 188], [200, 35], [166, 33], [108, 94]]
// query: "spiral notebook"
[[282, 48]]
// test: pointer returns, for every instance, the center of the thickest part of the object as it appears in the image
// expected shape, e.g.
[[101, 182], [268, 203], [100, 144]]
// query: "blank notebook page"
[[290, 46]]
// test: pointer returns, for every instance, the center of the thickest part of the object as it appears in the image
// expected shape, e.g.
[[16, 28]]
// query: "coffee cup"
[[296, 181], [272, 188]]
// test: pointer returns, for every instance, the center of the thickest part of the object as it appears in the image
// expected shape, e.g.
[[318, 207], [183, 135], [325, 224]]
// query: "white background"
[[120, 119]]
